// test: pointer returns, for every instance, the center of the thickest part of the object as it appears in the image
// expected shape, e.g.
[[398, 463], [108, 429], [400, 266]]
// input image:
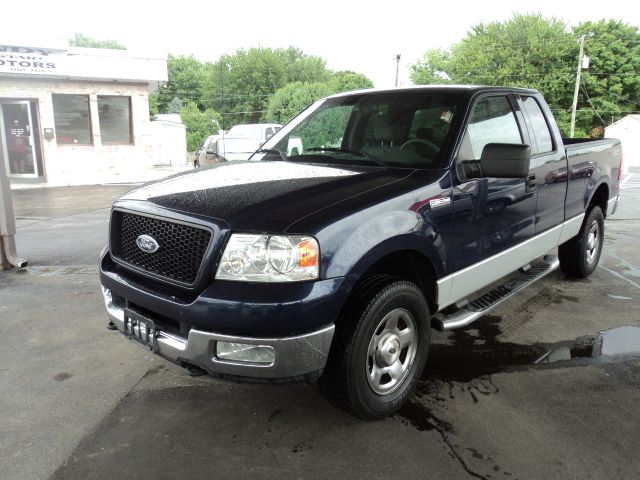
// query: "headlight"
[[270, 258]]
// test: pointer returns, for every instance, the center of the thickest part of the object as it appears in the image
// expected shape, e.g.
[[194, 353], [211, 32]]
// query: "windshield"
[[398, 128], [245, 131]]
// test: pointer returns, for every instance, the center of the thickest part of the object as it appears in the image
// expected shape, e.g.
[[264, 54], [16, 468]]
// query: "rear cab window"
[[542, 141]]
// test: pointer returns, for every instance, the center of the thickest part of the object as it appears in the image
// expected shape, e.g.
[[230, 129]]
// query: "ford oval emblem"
[[147, 244]]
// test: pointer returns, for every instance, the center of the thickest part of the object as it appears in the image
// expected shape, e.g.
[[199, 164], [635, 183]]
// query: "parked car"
[[335, 262], [241, 141], [205, 154]]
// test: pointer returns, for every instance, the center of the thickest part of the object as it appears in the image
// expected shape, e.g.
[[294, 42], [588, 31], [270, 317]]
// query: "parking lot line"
[[629, 177]]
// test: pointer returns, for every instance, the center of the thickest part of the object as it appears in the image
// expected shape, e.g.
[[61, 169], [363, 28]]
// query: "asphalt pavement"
[[522, 393]]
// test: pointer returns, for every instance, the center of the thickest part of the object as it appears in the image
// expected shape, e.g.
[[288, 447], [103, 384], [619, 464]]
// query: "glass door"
[[19, 146]]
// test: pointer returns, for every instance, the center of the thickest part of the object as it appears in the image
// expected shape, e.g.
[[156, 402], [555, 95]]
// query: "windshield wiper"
[[271, 151], [359, 153]]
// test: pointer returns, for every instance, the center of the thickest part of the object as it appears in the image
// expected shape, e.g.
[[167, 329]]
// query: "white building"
[[73, 116], [627, 130]]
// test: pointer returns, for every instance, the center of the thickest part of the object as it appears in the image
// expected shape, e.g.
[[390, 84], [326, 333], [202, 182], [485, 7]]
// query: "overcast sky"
[[363, 36]]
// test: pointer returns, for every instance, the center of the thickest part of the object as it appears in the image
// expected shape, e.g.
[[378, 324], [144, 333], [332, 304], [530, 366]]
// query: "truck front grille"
[[181, 251]]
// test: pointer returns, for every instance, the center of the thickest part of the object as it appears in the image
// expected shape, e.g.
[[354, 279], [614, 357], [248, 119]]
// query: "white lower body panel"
[[461, 284]]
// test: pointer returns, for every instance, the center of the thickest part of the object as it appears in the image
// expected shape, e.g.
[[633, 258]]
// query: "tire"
[[373, 368], [579, 256]]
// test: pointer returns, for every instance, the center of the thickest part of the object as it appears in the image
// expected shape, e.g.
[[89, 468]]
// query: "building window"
[[72, 119], [115, 119]]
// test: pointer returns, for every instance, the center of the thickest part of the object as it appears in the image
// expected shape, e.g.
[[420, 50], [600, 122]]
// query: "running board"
[[487, 302]]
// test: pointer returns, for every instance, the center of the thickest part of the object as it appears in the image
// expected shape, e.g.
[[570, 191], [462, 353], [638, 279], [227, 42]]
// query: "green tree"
[[185, 75], [527, 50], [175, 106], [240, 84], [300, 67], [153, 106], [81, 40], [199, 124], [291, 99], [288, 101], [346, 80], [433, 68], [611, 84]]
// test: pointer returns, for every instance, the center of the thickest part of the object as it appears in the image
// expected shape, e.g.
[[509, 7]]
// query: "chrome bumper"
[[294, 356]]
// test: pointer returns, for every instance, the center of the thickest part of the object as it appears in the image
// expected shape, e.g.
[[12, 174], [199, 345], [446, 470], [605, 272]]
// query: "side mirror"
[[268, 135], [505, 160]]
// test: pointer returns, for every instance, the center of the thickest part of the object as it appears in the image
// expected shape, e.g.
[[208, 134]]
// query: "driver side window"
[[492, 121]]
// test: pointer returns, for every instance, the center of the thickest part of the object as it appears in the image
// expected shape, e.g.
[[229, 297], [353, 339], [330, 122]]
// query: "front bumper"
[[293, 356]]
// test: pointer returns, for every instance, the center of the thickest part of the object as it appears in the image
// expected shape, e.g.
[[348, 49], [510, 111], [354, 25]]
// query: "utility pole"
[[8, 256], [397, 67], [577, 89]]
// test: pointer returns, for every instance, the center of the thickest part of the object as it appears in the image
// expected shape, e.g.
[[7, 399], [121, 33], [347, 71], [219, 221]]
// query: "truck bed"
[[586, 159]]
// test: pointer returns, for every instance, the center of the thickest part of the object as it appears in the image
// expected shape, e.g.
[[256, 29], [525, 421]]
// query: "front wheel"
[[579, 256], [380, 348]]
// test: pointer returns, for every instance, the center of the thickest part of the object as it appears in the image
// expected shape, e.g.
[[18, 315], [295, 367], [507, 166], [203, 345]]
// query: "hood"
[[262, 196]]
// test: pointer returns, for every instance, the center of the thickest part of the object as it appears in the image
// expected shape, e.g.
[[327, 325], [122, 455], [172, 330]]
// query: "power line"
[[544, 42], [617, 96], [584, 89], [601, 111]]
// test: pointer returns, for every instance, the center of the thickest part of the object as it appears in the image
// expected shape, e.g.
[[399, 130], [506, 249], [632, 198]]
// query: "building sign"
[[28, 60], [81, 63]]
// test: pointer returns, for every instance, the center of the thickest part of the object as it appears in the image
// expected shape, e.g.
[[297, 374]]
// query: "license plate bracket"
[[140, 329]]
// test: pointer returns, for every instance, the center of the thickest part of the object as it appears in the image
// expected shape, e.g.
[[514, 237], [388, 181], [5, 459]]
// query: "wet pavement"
[[548, 385]]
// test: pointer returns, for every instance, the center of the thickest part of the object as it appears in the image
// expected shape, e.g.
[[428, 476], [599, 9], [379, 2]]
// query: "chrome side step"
[[487, 302]]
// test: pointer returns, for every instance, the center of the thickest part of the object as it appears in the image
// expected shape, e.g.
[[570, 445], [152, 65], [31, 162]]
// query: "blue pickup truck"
[[400, 211]]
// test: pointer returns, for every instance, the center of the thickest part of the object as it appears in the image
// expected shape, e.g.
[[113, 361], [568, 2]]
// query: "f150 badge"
[[147, 244], [439, 202]]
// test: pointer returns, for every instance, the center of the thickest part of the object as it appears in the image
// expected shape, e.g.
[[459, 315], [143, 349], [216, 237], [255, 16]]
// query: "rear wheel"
[[579, 256], [379, 349]]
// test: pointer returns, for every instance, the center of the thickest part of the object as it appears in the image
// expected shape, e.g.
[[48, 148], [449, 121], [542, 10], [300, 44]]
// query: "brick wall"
[[98, 163]]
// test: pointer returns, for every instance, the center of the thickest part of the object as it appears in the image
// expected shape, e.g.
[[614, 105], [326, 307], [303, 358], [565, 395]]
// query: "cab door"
[[491, 215], [548, 166]]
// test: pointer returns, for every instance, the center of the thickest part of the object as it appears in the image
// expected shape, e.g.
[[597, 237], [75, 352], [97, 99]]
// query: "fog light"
[[106, 293], [244, 352]]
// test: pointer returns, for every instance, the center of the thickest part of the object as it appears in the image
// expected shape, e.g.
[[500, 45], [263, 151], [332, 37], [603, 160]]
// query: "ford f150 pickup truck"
[[404, 210]]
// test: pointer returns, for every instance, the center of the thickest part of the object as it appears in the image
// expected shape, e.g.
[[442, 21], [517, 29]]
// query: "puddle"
[[564, 354], [476, 352], [620, 341]]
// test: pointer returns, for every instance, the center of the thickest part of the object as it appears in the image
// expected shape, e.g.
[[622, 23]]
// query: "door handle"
[[532, 183]]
